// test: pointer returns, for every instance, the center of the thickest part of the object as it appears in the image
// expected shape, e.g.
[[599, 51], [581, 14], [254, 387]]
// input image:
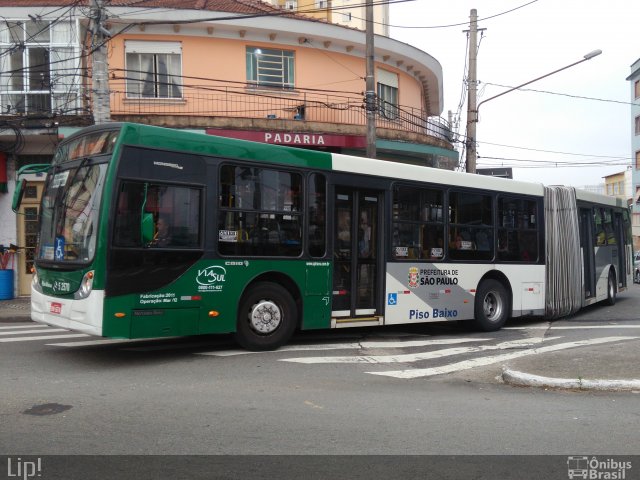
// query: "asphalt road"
[[334, 393]]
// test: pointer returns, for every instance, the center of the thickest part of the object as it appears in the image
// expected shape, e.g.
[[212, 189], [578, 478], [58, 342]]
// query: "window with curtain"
[[154, 69], [387, 87], [39, 67], [270, 68]]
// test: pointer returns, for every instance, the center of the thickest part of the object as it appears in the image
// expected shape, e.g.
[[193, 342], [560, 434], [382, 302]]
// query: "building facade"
[[634, 81], [350, 13], [619, 185], [242, 68]]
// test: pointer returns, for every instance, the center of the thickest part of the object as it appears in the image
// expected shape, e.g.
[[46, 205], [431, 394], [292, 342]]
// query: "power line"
[[465, 22], [274, 13], [555, 152], [564, 94], [559, 163]]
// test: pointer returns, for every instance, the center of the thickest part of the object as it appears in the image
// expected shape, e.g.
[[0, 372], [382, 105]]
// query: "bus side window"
[[175, 211], [471, 232], [598, 221], [259, 212], [418, 224]]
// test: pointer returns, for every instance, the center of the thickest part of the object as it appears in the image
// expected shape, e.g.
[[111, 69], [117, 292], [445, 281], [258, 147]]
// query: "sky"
[[586, 139]]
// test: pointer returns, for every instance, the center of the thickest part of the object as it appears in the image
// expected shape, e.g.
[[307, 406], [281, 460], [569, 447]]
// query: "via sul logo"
[[211, 278]]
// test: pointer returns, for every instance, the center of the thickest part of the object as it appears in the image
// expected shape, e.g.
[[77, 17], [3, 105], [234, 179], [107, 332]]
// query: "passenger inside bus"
[[162, 237], [463, 242], [433, 246]]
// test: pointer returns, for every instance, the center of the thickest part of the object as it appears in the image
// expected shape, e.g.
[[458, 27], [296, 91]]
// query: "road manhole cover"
[[47, 409]]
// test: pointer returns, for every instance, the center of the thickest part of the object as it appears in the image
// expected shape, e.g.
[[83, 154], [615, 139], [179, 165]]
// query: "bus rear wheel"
[[612, 289], [267, 317], [491, 305]]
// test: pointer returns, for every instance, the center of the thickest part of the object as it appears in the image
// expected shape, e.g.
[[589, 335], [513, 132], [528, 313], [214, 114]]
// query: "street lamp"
[[473, 119]]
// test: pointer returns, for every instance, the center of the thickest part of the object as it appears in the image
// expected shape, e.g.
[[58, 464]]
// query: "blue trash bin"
[[6, 284]]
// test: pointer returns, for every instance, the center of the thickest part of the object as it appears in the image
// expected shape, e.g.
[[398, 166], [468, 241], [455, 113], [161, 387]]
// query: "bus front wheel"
[[267, 317], [491, 305]]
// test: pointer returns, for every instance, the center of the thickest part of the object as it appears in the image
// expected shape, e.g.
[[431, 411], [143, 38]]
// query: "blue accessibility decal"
[[392, 299]]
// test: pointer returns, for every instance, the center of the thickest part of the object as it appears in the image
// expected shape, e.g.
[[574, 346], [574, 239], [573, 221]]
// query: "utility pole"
[[100, 101], [472, 85], [370, 94]]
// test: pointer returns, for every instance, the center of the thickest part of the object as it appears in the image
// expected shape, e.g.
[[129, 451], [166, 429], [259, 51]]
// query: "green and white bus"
[[150, 232]]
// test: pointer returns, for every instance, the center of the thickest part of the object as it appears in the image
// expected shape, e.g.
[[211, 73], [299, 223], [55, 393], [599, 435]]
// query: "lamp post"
[[473, 118]]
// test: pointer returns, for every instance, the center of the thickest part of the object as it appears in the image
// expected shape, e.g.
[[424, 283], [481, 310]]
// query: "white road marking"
[[576, 327], [21, 332], [483, 361], [16, 327], [104, 341], [350, 346], [164, 346], [416, 357], [43, 337]]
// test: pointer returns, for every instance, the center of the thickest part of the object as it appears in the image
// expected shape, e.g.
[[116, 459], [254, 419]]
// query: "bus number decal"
[[211, 279], [228, 236]]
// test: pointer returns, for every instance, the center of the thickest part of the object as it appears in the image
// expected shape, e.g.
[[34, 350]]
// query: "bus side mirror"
[[21, 186], [147, 228]]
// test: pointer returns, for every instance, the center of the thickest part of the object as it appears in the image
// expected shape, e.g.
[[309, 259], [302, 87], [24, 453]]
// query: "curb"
[[15, 317], [520, 379]]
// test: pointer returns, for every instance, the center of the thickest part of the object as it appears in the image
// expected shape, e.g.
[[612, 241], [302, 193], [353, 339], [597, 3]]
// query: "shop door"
[[28, 235]]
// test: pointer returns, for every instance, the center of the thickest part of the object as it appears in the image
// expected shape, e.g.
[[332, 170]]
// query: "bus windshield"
[[69, 216]]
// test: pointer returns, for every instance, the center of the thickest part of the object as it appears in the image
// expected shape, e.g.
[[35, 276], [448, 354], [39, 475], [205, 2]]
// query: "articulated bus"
[[150, 232]]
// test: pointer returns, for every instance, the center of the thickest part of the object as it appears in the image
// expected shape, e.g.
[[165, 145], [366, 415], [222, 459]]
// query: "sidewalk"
[[608, 367], [15, 310]]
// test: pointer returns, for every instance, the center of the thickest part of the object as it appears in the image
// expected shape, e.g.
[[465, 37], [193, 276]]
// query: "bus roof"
[[404, 171], [587, 196]]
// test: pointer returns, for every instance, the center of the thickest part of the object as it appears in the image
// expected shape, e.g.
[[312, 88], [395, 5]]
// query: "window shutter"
[[140, 46]]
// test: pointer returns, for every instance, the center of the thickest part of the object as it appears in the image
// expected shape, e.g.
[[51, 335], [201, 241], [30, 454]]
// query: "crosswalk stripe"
[[22, 332], [416, 357], [350, 346], [483, 361], [42, 337], [17, 327]]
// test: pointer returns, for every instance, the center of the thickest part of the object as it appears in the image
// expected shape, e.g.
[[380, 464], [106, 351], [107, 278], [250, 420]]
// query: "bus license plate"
[[56, 308]]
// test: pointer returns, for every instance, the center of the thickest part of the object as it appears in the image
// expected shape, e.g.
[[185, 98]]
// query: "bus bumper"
[[78, 315]]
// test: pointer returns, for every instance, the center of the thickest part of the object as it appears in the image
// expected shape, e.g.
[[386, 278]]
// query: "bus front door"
[[356, 253]]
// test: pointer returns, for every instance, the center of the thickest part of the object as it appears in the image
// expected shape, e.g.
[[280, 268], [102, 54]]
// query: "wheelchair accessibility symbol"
[[392, 299]]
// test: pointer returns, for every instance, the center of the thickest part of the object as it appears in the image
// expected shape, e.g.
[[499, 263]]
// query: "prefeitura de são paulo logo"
[[413, 277]]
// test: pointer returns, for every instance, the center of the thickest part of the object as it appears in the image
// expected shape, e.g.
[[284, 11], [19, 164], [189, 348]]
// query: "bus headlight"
[[85, 286], [35, 282]]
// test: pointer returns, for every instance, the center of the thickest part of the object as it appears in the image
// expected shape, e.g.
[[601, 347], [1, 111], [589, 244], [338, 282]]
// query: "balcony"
[[245, 106], [234, 106]]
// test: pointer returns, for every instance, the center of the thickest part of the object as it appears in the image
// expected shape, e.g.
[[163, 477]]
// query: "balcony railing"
[[236, 102], [251, 102]]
